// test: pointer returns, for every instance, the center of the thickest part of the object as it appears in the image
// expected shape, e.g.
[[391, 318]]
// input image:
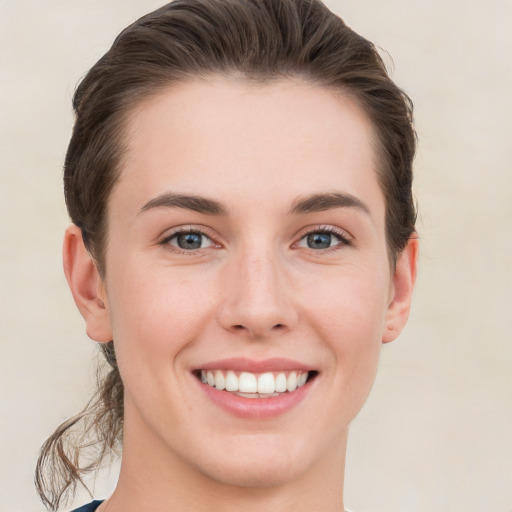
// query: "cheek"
[[154, 320], [349, 315], [352, 301], [154, 313]]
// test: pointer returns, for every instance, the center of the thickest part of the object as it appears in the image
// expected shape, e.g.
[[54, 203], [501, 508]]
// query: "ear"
[[401, 290], [86, 285]]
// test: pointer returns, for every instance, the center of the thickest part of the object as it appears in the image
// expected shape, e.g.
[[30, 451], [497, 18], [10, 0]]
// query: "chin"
[[260, 463], [255, 474]]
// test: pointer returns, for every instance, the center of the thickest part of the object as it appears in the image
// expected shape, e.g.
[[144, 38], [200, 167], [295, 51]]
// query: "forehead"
[[282, 139]]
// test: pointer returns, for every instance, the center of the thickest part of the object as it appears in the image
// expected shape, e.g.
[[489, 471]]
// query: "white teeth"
[[231, 381], [262, 385], [280, 383], [247, 383], [291, 382], [220, 381], [266, 383]]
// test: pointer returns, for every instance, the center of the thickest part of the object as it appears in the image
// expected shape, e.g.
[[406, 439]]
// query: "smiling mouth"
[[255, 385]]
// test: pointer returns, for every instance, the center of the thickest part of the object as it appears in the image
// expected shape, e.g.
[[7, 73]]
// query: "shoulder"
[[90, 507]]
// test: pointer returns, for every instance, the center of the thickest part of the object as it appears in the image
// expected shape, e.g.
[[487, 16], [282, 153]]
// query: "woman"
[[239, 182]]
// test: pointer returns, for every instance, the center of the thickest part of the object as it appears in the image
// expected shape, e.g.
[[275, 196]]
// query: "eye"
[[323, 239], [189, 240]]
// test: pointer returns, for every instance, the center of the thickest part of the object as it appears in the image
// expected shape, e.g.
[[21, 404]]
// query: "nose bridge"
[[261, 277], [257, 301]]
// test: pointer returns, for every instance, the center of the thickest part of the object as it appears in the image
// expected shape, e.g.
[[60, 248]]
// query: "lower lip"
[[256, 408]]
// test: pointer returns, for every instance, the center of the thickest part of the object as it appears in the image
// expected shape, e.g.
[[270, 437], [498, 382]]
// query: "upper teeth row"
[[247, 382]]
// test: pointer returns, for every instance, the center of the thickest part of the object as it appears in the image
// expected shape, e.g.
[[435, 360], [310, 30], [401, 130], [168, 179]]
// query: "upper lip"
[[242, 364]]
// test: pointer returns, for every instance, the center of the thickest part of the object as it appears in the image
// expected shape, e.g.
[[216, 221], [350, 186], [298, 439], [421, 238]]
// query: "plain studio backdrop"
[[436, 433]]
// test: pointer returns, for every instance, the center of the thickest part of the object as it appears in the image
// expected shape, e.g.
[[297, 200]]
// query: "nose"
[[258, 298]]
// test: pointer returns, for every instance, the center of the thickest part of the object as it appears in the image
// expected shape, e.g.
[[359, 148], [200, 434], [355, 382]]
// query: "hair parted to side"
[[257, 40]]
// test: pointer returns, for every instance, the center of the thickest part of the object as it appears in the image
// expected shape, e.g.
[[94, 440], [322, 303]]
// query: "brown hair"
[[259, 40]]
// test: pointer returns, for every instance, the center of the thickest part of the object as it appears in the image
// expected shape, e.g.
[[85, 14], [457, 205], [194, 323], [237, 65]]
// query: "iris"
[[319, 240]]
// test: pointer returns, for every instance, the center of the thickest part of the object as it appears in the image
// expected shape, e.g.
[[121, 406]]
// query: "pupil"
[[189, 240], [319, 241]]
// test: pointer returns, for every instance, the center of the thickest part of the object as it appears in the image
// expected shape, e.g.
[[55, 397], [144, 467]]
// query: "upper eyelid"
[[342, 233], [170, 233], [186, 232]]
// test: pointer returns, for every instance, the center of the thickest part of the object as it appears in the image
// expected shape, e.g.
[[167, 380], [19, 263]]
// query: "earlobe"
[[404, 278], [86, 285]]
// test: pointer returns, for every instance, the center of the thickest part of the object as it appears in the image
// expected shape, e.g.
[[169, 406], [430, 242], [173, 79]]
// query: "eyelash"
[[183, 231], [344, 239]]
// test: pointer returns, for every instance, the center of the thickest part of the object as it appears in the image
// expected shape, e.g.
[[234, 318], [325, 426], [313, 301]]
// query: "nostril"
[[258, 330]]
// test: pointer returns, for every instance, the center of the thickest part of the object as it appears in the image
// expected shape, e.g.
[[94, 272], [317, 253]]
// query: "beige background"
[[436, 434]]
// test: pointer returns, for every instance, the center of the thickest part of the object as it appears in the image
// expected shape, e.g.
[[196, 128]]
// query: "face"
[[246, 250]]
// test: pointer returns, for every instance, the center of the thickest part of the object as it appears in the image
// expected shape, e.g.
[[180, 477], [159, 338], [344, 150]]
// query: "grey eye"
[[190, 241], [323, 239], [319, 240]]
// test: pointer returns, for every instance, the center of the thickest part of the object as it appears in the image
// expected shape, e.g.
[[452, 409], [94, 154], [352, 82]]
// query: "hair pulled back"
[[259, 40]]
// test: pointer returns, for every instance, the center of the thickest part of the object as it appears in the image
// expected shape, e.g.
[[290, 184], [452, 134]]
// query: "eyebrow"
[[187, 202], [311, 204], [329, 201]]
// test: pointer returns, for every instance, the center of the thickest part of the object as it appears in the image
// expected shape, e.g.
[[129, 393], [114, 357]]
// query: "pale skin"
[[253, 286]]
